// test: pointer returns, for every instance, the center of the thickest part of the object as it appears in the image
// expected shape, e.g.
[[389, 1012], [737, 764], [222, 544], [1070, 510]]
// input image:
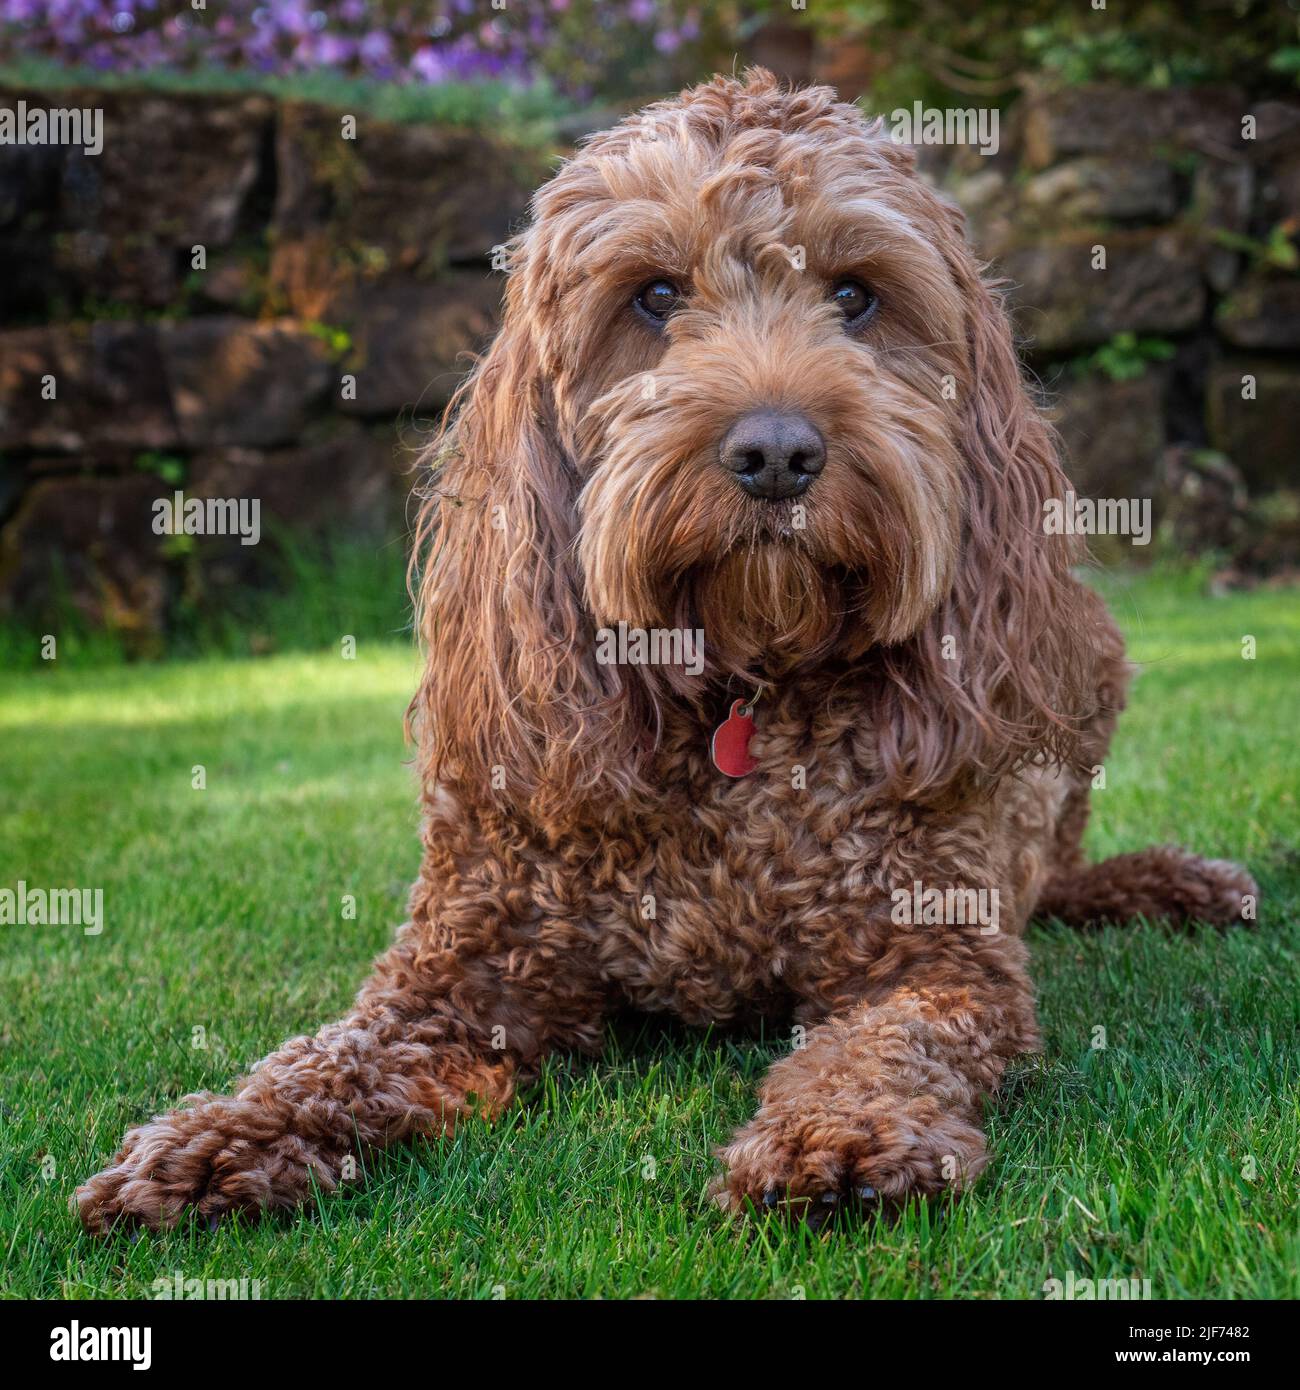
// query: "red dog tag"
[[729, 745]]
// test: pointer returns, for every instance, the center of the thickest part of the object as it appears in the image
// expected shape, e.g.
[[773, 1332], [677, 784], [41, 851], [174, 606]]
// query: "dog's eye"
[[657, 299], [854, 301]]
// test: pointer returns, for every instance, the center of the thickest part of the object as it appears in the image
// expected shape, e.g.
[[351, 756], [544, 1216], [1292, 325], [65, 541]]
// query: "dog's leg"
[[1160, 884], [884, 1098], [445, 1028]]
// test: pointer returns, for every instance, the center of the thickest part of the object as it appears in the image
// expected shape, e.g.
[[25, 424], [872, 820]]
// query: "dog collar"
[[729, 746]]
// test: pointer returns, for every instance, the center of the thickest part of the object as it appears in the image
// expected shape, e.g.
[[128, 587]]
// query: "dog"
[[749, 383]]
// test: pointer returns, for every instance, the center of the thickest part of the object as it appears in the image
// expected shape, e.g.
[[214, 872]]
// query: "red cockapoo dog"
[[749, 382]]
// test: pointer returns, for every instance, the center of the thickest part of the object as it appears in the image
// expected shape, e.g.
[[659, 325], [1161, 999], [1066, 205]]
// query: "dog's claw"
[[822, 1212], [770, 1198], [866, 1194]]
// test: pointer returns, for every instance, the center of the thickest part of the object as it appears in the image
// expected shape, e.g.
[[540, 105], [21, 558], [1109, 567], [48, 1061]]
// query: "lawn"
[[1168, 1154]]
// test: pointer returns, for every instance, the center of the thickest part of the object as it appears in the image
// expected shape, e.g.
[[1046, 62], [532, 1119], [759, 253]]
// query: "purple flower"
[[428, 64], [333, 51], [452, 40], [375, 48]]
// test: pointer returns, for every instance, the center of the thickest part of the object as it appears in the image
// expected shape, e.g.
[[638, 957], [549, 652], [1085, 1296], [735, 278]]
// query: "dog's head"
[[749, 381]]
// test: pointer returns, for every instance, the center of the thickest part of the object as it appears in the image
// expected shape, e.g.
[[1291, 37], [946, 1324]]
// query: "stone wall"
[[324, 259], [328, 258], [1198, 228]]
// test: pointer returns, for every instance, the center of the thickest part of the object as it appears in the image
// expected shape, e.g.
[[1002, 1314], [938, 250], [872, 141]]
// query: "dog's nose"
[[773, 453]]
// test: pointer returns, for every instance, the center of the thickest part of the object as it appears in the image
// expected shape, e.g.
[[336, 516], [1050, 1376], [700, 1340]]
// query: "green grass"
[[313, 590], [1169, 1155]]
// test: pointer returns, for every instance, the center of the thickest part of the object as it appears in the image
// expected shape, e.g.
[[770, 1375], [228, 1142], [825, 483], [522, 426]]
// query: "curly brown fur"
[[938, 687]]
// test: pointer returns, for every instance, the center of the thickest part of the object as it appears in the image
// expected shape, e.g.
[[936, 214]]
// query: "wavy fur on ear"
[[513, 703], [1021, 685]]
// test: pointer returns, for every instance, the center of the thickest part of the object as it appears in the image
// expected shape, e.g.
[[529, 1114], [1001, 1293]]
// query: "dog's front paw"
[[808, 1152], [223, 1155]]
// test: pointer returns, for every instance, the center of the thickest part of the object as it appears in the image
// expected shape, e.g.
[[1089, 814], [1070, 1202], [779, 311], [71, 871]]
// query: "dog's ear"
[[513, 704], [1003, 673]]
